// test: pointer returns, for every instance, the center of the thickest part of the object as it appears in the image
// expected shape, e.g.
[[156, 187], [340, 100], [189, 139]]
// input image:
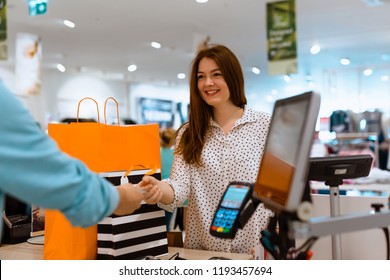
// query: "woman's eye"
[[200, 77], [218, 75]]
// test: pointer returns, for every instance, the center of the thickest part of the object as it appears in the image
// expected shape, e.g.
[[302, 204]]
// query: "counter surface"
[[27, 251]]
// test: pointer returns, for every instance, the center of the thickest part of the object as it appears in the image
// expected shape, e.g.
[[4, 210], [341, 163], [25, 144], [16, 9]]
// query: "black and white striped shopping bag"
[[142, 233]]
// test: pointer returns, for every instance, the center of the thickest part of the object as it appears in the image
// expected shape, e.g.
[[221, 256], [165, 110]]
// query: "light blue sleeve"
[[34, 170]]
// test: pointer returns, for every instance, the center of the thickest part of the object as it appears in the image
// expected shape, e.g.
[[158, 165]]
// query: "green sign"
[[281, 35], [3, 30]]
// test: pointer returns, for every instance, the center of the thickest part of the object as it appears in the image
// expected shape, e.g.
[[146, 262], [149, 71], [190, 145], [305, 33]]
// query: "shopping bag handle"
[[105, 107], [78, 108], [150, 172]]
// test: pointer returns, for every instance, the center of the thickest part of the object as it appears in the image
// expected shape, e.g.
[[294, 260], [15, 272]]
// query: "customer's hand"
[[130, 198], [150, 186]]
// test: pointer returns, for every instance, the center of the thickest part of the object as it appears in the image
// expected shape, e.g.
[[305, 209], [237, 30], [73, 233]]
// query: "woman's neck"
[[226, 117]]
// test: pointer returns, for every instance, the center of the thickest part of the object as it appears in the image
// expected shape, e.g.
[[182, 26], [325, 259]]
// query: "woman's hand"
[[152, 191]]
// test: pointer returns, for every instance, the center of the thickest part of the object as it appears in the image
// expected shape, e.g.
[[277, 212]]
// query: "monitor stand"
[[334, 198]]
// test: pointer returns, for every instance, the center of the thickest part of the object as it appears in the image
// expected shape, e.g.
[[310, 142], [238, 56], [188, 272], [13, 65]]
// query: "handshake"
[[149, 189]]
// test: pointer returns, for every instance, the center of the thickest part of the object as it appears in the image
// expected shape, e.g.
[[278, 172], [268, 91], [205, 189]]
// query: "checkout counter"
[[27, 251], [369, 244]]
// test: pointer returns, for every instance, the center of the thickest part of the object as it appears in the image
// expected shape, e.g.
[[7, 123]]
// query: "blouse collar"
[[248, 116]]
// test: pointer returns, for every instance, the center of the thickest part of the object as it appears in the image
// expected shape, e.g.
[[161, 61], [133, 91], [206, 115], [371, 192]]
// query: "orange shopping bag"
[[103, 148]]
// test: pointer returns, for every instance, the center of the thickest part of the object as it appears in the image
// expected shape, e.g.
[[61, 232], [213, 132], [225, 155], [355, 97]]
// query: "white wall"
[[61, 93], [7, 76]]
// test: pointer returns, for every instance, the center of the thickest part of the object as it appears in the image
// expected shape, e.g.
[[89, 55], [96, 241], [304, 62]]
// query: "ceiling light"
[[61, 67], [202, 1], [287, 78], [367, 72], [256, 70], [345, 61], [181, 76], [274, 92], [315, 49], [155, 45], [132, 68], [69, 24], [385, 78]]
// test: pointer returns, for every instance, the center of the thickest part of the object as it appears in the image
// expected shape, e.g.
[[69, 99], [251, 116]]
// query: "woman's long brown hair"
[[194, 135]]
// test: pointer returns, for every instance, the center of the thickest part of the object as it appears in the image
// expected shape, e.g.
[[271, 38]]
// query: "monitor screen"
[[282, 174]]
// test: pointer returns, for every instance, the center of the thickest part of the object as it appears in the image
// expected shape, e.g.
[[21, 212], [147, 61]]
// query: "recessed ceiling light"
[[69, 24], [345, 61], [287, 78], [132, 68], [61, 67], [256, 70], [367, 72], [315, 49], [181, 76], [385, 78], [155, 45], [202, 1]]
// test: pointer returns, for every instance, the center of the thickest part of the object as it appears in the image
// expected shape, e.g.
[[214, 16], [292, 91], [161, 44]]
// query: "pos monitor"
[[282, 176]]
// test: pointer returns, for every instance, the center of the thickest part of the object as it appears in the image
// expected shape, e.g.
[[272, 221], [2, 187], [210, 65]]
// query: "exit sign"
[[37, 7]]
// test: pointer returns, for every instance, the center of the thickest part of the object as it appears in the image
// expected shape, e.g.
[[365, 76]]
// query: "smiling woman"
[[222, 142]]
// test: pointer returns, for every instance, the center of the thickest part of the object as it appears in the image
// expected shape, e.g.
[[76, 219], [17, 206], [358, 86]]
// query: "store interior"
[[93, 59], [107, 39]]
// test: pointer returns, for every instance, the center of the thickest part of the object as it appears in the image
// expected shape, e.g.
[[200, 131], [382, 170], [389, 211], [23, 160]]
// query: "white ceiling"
[[110, 35]]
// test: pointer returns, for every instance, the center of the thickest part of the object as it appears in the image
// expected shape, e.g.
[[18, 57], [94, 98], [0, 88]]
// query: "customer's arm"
[[35, 171], [130, 199]]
